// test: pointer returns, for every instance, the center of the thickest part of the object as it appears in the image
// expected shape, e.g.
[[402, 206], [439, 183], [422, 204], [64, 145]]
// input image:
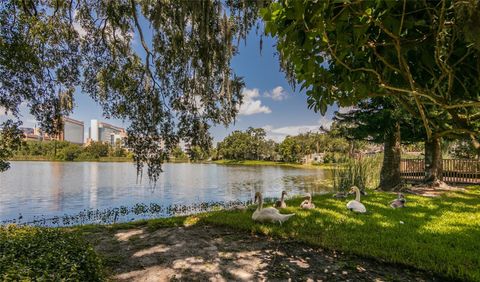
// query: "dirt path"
[[205, 253]]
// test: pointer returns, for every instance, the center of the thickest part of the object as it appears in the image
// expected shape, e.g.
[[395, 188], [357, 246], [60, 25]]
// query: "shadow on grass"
[[192, 250], [434, 234], [437, 234]]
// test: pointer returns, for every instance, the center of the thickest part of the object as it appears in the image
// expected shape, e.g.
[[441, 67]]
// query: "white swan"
[[269, 214], [355, 205], [281, 203], [399, 202], [307, 203]]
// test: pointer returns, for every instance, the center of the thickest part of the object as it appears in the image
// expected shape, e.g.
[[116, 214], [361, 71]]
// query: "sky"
[[269, 101]]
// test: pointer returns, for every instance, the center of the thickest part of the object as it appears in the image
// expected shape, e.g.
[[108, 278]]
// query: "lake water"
[[42, 190]]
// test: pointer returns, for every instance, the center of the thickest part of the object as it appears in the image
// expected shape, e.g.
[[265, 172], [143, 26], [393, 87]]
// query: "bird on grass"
[[269, 214], [399, 202], [340, 195], [355, 205], [281, 203], [307, 203]]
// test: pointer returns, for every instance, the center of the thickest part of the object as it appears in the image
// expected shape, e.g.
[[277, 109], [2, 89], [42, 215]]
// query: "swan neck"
[[357, 195], [260, 203]]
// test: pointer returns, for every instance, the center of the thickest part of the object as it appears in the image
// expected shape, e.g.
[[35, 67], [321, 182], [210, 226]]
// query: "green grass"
[[441, 234], [438, 234], [273, 163]]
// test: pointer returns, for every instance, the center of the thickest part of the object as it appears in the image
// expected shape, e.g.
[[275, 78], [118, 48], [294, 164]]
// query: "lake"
[[35, 191]]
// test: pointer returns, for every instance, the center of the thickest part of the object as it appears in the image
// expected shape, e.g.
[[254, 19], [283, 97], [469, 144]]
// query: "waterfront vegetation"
[[438, 234], [273, 163], [66, 151]]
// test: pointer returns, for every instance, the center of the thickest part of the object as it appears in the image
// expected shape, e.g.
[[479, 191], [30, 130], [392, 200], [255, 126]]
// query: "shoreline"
[[218, 162], [274, 163]]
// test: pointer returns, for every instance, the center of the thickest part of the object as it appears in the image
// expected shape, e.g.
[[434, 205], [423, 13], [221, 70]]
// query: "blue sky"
[[269, 101]]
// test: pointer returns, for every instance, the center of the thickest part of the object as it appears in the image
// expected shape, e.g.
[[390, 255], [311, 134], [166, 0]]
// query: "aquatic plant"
[[124, 213]]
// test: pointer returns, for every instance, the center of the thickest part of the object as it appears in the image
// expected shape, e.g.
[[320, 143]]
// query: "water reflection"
[[47, 189]]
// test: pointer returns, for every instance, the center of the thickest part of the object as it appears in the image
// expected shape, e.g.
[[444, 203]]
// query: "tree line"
[[66, 151], [252, 144]]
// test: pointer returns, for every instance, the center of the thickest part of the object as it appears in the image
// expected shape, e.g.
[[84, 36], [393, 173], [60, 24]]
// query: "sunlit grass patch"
[[440, 234]]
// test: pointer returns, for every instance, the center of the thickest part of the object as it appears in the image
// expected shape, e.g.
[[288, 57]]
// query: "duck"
[[307, 203], [269, 214], [399, 202], [281, 203], [355, 205], [340, 195]]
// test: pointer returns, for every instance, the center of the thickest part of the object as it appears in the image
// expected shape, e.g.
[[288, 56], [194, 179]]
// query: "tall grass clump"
[[363, 172]]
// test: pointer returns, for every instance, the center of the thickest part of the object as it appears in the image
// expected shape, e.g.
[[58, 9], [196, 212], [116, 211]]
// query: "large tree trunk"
[[390, 173], [433, 162]]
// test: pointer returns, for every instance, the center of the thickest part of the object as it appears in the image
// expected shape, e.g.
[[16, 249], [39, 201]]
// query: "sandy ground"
[[206, 253]]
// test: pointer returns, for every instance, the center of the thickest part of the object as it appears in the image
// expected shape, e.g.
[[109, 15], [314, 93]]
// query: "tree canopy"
[[174, 87], [370, 119], [424, 54]]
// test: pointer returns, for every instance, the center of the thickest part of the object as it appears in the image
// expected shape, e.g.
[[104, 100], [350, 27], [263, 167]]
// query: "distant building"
[[34, 134], [104, 132], [30, 134], [73, 131], [314, 158]]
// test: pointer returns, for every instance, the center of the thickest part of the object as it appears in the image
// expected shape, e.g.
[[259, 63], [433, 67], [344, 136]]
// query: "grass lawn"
[[438, 234], [273, 163]]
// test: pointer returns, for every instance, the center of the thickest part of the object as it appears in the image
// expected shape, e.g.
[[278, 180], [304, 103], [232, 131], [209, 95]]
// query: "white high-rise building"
[[72, 130], [104, 132]]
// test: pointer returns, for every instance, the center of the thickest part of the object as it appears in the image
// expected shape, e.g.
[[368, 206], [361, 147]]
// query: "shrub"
[[46, 254], [69, 153], [97, 149]]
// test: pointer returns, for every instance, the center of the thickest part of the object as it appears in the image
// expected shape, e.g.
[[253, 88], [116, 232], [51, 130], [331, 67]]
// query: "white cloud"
[[277, 94], [251, 105], [344, 110], [76, 25], [129, 36], [278, 134]]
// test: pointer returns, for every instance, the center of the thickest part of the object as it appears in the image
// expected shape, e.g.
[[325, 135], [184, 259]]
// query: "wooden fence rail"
[[454, 171]]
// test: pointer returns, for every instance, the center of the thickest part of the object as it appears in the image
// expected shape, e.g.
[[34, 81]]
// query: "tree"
[[97, 149], [416, 52], [178, 85], [250, 144], [380, 120], [10, 141], [197, 153], [291, 150], [179, 154]]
